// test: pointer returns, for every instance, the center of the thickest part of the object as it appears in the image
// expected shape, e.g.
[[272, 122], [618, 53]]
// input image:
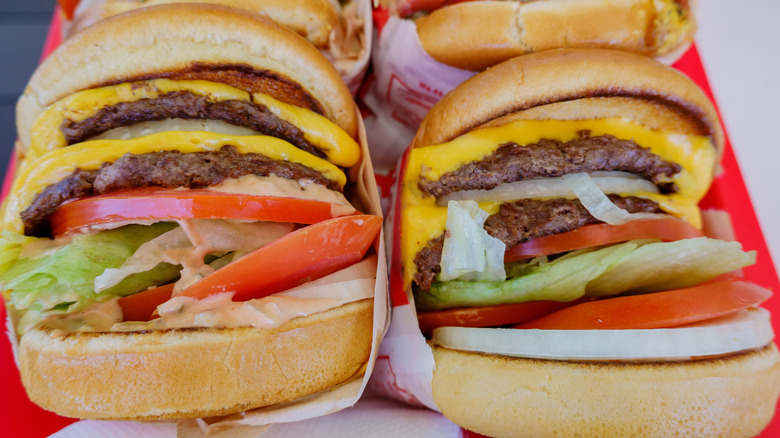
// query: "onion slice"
[[552, 188], [143, 129], [597, 203], [743, 330]]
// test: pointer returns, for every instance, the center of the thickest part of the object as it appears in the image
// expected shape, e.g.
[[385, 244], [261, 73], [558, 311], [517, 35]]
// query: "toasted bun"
[[200, 41], [499, 396], [312, 19], [477, 35], [202, 372], [574, 84]]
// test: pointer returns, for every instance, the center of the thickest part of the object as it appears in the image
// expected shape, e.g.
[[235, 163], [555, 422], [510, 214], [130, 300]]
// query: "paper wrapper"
[[373, 416], [405, 365], [358, 29], [405, 84]]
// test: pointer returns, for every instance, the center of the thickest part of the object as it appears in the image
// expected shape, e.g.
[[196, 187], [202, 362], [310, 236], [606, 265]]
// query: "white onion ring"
[[143, 129], [551, 188], [744, 330]]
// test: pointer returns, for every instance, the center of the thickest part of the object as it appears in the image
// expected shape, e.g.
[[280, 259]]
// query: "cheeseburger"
[[182, 238], [473, 35], [550, 236], [335, 28]]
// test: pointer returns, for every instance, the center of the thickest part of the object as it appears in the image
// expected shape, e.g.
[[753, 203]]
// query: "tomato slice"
[[68, 6], [656, 310], [303, 255], [587, 236], [158, 204], [489, 316], [141, 306]]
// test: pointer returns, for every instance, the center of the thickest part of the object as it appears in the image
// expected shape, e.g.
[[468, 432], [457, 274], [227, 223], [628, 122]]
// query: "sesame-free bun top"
[[190, 41], [312, 19], [574, 84]]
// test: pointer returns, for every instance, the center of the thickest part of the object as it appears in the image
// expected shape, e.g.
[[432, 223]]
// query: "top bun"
[[312, 19], [190, 41], [574, 84]]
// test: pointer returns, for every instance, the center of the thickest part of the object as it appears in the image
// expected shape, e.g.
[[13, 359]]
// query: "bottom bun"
[[499, 396], [188, 373]]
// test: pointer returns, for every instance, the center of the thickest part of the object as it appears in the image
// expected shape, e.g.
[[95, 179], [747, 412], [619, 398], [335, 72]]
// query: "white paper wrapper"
[[372, 416], [406, 83], [405, 365]]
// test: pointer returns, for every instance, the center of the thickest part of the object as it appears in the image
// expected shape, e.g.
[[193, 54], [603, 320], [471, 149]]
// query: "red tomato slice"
[[656, 310], [141, 306], [587, 236], [303, 255], [68, 6], [489, 316], [157, 204]]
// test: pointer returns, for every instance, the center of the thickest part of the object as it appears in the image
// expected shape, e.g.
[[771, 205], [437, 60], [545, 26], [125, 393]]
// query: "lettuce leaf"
[[188, 246], [661, 266], [563, 279], [636, 267], [62, 279]]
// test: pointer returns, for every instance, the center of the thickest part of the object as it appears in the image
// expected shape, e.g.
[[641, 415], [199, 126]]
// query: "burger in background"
[[561, 206], [340, 30], [474, 35], [183, 227]]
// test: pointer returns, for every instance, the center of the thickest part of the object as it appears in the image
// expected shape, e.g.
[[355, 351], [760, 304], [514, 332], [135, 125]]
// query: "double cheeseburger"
[[550, 236], [474, 35], [181, 238]]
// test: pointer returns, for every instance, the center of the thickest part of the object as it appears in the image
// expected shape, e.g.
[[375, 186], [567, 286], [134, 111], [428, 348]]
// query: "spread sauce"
[[220, 311]]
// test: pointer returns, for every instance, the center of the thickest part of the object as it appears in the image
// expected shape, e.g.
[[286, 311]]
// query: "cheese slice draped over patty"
[[423, 220]]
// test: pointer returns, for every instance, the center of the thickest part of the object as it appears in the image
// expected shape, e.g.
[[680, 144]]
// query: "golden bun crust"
[[312, 19], [477, 35], [571, 79], [499, 396], [166, 39], [194, 372]]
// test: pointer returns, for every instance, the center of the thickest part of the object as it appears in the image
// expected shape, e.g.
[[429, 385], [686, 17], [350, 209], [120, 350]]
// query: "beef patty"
[[185, 105], [520, 221], [552, 158], [165, 169]]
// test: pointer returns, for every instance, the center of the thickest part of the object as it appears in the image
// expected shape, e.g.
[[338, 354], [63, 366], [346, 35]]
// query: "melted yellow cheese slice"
[[56, 165], [422, 220], [46, 134]]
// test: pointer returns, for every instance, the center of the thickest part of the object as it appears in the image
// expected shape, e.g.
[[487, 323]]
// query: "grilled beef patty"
[[521, 221], [166, 169], [185, 105], [552, 158]]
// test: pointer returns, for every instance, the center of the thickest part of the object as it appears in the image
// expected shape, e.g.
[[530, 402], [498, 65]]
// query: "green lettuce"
[[563, 279], [672, 265], [61, 279], [637, 266]]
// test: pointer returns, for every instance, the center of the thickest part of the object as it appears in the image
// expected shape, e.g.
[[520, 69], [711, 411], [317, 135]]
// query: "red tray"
[[21, 418]]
